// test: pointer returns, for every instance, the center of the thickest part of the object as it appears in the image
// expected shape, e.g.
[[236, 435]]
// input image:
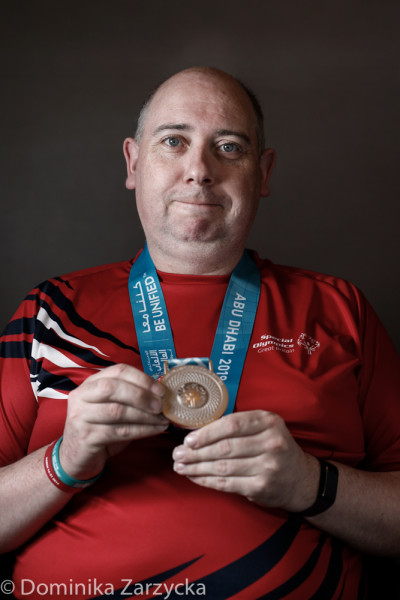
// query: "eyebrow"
[[239, 134], [185, 127], [176, 126]]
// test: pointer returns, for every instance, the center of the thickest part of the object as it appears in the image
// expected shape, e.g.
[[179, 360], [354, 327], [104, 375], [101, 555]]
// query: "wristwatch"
[[327, 489]]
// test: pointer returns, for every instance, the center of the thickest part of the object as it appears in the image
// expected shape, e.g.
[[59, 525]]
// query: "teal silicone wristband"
[[63, 476]]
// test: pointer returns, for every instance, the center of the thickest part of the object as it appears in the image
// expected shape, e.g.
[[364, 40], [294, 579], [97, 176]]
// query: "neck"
[[196, 260]]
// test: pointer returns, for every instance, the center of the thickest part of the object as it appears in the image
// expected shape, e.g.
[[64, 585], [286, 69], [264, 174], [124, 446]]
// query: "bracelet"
[[58, 476], [328, 483], [48, 467]]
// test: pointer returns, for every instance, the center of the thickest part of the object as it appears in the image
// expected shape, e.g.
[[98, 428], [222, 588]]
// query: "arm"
[[105, 413], [19, 518], [253, 454]]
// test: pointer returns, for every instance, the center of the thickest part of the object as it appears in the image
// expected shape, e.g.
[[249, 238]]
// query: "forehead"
[[202, 101]]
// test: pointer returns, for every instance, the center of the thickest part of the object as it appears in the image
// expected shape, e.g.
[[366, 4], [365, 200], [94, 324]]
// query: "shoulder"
[[85, 285], [100, 272], [98, 276], [297, 278]]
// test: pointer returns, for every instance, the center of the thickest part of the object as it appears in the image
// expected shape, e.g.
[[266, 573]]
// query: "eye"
[[231, 150], [229, 147], [172, 141]]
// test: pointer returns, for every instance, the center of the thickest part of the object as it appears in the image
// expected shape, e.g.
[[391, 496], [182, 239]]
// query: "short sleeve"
[[18, 404], [379, 385]]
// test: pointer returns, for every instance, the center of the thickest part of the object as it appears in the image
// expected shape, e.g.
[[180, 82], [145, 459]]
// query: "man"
[[246, 506]]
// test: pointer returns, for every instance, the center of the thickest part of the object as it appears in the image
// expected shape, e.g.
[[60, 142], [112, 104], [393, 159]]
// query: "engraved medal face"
[[194, 396]]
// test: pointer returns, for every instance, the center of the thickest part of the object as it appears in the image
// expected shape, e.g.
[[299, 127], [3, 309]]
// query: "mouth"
[[198, 204], [198, 200]]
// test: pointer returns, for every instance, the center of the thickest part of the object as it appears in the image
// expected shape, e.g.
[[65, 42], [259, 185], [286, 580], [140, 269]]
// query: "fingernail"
[[191, 439], [158, 389], [178, 453], [179, 467], [156, 405], [162, 427]]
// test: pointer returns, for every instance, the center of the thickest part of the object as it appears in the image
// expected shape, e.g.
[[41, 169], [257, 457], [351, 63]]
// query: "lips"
[[197, 203], [199, 199]]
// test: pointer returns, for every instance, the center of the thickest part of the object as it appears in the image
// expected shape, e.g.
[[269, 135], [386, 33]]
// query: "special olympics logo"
[[308, 343]]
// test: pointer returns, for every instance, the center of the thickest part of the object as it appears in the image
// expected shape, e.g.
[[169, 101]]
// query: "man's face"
[[197, 171]]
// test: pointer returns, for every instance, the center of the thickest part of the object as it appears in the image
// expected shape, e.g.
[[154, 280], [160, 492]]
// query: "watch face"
[[194, 396]]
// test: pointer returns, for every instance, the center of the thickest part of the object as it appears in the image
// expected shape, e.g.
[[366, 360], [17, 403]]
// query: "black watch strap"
[[327, 489]]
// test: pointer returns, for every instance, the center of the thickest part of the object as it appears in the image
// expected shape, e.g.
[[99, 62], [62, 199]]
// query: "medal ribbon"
[[234, 329]]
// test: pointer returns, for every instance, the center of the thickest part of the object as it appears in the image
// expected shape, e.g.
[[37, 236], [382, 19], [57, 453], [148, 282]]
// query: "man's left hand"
[[252, 454]]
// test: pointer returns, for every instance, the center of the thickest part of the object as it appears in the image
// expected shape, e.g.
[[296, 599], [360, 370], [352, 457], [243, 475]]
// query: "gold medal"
[[194, 396]]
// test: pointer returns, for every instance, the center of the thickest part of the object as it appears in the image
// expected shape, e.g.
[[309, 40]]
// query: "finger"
[[119, 413], [105, 435], [233, 485], [235, 425], [131, 375], [241, 467], [106, 389], [228, 448]]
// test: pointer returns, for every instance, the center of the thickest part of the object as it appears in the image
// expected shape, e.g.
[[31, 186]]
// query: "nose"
[[199, 166]]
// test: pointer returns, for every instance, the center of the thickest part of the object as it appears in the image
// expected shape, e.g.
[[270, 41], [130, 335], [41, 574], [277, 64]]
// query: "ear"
[[267, 162], [131, 152]]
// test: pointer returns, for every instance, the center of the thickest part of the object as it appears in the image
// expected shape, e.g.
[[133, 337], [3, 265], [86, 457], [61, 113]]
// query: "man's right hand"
[[105, 413]]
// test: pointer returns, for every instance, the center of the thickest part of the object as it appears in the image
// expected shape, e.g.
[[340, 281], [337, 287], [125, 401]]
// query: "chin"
[[199, 231]]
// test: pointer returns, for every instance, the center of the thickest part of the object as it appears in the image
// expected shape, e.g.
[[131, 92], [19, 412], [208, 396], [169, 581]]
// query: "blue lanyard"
[[234, 329]]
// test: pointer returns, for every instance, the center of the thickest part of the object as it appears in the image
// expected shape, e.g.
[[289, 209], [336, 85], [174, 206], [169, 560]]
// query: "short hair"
[[250, 94]]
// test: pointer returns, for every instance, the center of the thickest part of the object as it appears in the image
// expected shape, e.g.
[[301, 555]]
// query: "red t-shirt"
[[318, 357]]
